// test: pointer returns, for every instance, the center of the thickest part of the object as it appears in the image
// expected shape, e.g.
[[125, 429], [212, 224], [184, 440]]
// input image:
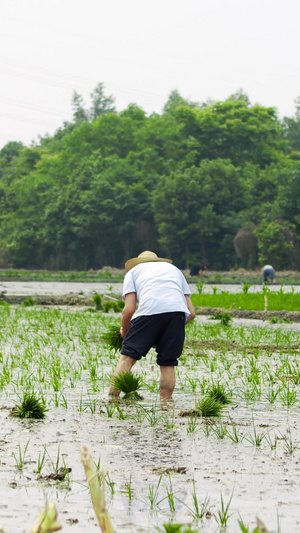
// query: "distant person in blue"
[[197, 269], [268, 274]]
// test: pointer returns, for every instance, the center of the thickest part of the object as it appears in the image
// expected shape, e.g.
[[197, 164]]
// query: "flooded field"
[[33, 288], [161, 467]]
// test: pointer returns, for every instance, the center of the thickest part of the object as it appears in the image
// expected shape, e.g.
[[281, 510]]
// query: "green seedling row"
[[276, 300]]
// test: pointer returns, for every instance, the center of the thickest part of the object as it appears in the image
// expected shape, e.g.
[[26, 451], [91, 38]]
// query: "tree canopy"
[[217, 182]]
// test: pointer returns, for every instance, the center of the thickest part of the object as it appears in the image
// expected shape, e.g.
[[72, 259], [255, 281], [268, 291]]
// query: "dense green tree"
[[184, 183], [100, 104], [196, 211], [234, 130], [176, 100], [275, 243], [291, 128], [80, 114]]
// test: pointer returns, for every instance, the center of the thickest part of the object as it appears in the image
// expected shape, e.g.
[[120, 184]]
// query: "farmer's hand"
[[122, 333]]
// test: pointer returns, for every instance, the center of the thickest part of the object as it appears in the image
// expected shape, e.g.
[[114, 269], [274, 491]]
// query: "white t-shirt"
[[160, 287]]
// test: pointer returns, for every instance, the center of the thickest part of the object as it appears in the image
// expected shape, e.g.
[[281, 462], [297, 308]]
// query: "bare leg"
[[125, 364], [167, 381]]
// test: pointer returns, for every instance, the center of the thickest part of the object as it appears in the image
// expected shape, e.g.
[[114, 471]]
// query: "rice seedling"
[[220, 430], [169, 421], [28, 302], [222, 516], [245, 529], [193, 382], [139, 415], [234, 434], [41, 461], [176, 528], [91, 404], [121, 414], [198, 511], [288, 397], [273, 393], [272, 443], [191, 423], [199, 287], [246, 287], [129, 384], [153, 493], [218, 393], [152, 416], [208, 407], [110, 408], [224, 317], [257, 437], [97, 301], [55, 464], [289, 445], [170, 496], [111, 484], [128, 489], [112, 338], [207, 428], [20, 457], [29, 407]]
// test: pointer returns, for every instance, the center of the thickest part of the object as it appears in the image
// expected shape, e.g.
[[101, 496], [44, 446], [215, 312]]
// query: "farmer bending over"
[[268, 273], [164, 308]]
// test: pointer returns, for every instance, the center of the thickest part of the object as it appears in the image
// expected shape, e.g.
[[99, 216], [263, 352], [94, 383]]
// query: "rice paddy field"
[[164, 463]]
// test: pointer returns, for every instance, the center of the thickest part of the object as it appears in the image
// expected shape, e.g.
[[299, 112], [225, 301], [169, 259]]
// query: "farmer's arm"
[[127, 312], [191, 308]]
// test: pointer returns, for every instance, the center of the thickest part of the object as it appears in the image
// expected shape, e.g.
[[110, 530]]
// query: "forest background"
[[216, 182]]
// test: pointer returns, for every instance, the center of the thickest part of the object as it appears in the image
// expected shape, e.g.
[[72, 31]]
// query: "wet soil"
[[160, 451]]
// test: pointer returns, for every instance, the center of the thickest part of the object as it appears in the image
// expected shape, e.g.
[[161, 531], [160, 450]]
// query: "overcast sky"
[[141, 50]]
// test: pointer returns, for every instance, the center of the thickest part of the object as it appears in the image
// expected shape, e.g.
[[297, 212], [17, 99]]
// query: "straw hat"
[[144, 257]]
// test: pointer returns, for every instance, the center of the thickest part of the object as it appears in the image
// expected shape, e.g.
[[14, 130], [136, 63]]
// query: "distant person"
[[197, 269], [268, 274]]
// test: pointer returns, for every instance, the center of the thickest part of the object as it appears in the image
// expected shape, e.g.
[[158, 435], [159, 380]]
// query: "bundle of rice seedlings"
[[208, 407], [224, 317], [30, 407], [129, 384], [113, 338], [217, 392], [97, 301]]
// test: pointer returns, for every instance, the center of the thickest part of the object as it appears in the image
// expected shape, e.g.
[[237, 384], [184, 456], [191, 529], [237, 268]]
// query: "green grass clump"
[[115, 306], [112, 338], [30, 407], [225, 318], [208, 407], [217, 392], [129, 384], [97, 301], [28, 302], [276, 320]]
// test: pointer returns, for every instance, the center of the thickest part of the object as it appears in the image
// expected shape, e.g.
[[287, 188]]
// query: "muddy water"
[[262, 481], [32, 288]]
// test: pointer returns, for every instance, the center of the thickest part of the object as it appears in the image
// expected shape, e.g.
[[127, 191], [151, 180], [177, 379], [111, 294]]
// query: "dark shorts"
[[165, 331]]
